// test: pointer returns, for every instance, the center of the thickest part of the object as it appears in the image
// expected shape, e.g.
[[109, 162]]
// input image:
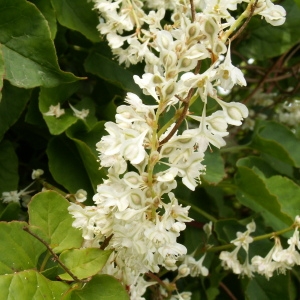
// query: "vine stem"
[[248, 13], [199, 210], [185, 109], [255, 239], [235, 148], [54, 254], [51, 187], [193, 10]]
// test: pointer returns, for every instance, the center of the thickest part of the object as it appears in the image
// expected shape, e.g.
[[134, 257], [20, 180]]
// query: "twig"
[[55, 256], [186, 104], [227, 291], [192, 10], [106, 242], [246, 22], [261, 82], [158, 280]]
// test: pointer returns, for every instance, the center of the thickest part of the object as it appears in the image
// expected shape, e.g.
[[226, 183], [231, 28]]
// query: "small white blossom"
[[55, 111], [37, 173], [12, 196], [81, 114], [81, 195]]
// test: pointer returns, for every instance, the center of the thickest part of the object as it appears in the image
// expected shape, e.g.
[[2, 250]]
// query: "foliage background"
[[50, 52]]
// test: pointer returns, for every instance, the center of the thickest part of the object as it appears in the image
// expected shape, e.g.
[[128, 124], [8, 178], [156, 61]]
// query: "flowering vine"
[[187, 62]]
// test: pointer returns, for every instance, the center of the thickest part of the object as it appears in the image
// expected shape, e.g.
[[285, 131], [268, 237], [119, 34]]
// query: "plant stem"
[[257, 238], [51, 187], [246, 14], [54, 254], [199, 210], [47, 256], [235, 148]]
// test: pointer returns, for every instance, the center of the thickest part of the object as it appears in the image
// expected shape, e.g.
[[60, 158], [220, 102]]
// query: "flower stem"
[[199, 210], [246, 14], [235, 148], [75, 278], [257, 238]]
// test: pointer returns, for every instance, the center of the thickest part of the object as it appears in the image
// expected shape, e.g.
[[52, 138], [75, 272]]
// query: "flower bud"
[[37, 173], [81, 195], [183, 270]]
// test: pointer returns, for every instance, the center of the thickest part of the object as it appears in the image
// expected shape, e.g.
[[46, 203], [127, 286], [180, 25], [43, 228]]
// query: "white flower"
[[81, 195], [36, 173], [12, 196], [182, 296], [229, 75], [208, 229], [196, 267], [111, 144], [190, 169], [230, 261], [289, 256], [205, 136], [234, 112], [15, 196], [273, 14], [203, 83], [133, 149], [183, 270], [55, 111], [81, 114], [297, 221], [82, 219], [138, 289], [266, 266], [244, 239]]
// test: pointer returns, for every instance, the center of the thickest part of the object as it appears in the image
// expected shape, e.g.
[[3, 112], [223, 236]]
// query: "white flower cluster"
[[136, 23], [289, 113], [22, 195], [56, 111], [277, 260], [135, 213]]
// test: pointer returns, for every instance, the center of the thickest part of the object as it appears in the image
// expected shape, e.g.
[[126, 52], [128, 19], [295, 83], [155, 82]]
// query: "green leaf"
[[19, 250], [287, 193], [33, 115], [67, 167], [49, 212], [227, 229], [12, 105], [84, 263], [278, 165], [258, 165], [253, 192], [100, 63], [10, 212], [266, 41], [9, 167], [78, 15], [53, 96], [215, 172], [277, 287], [2, 72], [278, 141], [28, 51], [217, 194], [102, 287], [89, 137], [89, 159], [30, 285], [47, 10]]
